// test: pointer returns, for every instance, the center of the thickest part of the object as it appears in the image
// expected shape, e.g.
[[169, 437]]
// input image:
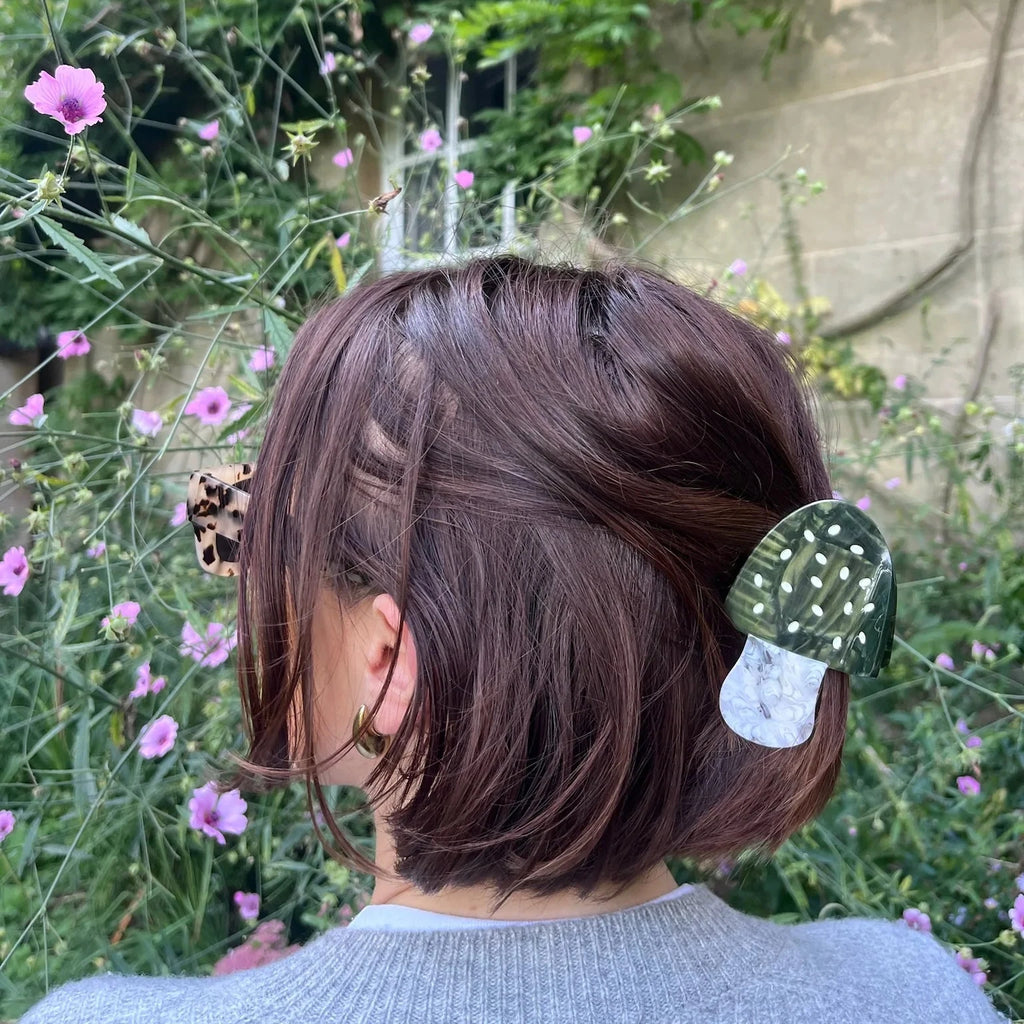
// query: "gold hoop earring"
[[367, 740]]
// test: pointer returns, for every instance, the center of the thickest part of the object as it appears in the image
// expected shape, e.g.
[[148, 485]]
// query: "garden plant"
[[179, 183]]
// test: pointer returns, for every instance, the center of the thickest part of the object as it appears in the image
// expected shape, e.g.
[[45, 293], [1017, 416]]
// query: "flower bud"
[[49, 187]]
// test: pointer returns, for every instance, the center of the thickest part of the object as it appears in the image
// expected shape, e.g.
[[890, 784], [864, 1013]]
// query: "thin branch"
[[953, 258]]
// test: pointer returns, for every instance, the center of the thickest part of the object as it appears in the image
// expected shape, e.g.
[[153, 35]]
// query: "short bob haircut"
[[557, 473]]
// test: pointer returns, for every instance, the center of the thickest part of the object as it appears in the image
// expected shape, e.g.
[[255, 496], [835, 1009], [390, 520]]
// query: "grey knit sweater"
[[690, 960]]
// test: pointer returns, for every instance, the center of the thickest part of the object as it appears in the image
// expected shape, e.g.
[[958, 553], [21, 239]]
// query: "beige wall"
[[875, 97]]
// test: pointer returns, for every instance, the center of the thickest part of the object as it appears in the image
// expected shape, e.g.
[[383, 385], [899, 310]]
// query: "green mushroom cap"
[[821, 584]]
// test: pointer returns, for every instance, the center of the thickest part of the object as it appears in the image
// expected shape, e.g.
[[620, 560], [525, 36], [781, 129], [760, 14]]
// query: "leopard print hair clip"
[[216, 506]]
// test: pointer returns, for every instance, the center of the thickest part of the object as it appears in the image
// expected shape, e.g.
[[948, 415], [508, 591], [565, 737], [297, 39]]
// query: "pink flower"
[[7, 820], [945, 661], [343, 158], [147, 423], [262, 359], [209, 131], [782, 337], [72, 343], [973, 742], [1017, 914], [581, 133], [420, 34], [899, 382], [215, 813], [145, 683], [431, 140], [97, 550], [968, 785], [211, 405], [737, 268], [464, 179], [328, 64], [973, 967], [892, 483], [980, 650], [211, 650], [122, 615], [248, 904], [71, 95], [180, 515], [14, 571], [961, 725], [158, 737], [30, 414], [864, 503], [1019, 882], [265, 945], [962, 566], [343, 240], [917, 919]]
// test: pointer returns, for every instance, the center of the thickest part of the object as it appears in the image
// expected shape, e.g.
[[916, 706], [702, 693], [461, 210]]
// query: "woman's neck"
[[478, 901]]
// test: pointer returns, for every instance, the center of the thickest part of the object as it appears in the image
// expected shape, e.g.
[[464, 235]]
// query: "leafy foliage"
[[182, 257]]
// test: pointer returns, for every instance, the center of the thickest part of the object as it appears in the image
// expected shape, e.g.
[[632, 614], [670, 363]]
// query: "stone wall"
[[877, 99]]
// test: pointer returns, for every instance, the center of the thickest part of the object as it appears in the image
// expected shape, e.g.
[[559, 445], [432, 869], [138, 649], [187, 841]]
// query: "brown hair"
[[557, 473]]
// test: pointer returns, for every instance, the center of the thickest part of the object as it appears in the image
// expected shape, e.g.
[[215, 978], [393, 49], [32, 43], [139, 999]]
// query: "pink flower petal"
[[72, 343], [431, 140], [14, 571], [262, 359], [248, 904], [72, 96], [29, 414], [148, 424], [157, 738], [968, 785], [917, 919], [211, 406]]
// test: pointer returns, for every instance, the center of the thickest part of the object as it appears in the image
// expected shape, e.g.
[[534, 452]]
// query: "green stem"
[[178, 264], [204, 891]]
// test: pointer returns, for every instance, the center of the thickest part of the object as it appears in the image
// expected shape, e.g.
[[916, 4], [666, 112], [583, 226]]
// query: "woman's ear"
[[384, 637]]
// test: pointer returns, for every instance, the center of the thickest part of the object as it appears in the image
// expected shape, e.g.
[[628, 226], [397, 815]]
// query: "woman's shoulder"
[[241, 997], [871, 964]]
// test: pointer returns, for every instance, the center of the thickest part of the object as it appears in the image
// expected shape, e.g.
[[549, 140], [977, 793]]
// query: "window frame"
[[393, 254]]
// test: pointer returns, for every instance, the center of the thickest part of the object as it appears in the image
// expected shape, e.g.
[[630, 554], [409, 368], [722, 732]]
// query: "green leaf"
[[337, 269], [245, 389], [250, 416], [129, 178], [83, 780], [77, 249], [69, 608], [278, 333], [130, 228]]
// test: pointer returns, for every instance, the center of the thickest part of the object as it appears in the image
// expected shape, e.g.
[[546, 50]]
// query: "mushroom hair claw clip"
[[817, 592]]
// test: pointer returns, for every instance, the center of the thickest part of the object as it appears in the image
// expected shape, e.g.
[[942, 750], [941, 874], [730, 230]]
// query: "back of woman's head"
[[557, 473]]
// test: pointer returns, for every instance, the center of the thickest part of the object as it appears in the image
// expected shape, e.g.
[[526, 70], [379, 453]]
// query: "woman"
[[484, 572]]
